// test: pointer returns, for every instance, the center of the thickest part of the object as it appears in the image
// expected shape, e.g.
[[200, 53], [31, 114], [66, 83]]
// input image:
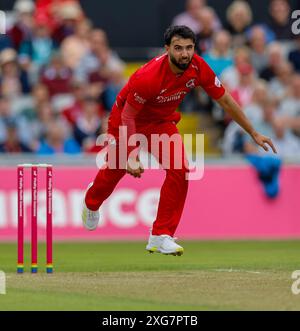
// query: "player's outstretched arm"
[[235, 112]]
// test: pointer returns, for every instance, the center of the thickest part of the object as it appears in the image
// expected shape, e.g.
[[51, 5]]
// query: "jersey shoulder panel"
[[151, 69], [147, 76], [207, 78], [197, 61]]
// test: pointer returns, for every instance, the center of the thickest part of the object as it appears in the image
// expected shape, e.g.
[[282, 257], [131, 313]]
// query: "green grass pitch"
[[123, 276]]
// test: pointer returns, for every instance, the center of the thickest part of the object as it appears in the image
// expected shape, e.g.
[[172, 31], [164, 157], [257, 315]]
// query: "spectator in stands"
[[13, 80], [90, 62], [114, 85], [102, 68], [45, 11], [23, 28], [68, 15], [32, 121], [12, 143], [109, 77], [190, 16], [233, 136], [206, 17], [37, 51], [230, 76], [294, 56], [258, 47], [11, 129], [110, 63], [269, 34], [279, 85], [220, 56], [38, 125], [99, 59], [287, 144], [5, 115], [5, 42], [244, 91], [280, 20], [289, 110], [76, 46], [40, 95], [88, 124], [49, 10], [79, 91], [267, 166], [99, 71], [239, 18], [260, 98], [57, 141], [275, 58], [56, 76]]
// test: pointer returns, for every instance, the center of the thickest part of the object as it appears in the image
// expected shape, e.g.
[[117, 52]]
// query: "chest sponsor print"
[[171, 98]]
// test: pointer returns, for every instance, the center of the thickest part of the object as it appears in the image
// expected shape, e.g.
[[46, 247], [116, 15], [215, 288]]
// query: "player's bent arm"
[[128, 116], [134, 167], [235, 112]]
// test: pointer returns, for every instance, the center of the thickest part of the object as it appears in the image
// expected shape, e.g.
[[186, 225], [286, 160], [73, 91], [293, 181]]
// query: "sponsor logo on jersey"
[[191, 83], [217, 82], [174, 97], [139, 99]]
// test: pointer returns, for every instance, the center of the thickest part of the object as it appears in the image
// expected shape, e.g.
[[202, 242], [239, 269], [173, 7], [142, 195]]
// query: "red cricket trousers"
[[174, 189]]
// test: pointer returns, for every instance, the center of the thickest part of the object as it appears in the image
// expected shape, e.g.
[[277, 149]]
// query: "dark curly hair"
[[180, 31]]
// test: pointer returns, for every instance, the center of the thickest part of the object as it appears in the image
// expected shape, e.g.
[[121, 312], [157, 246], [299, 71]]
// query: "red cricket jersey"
[[156, 92]]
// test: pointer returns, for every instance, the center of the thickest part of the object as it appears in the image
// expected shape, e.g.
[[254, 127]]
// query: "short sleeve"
[[210, 82], [138, 94]]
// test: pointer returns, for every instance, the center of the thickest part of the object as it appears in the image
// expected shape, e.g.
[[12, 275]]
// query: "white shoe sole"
[[178, 252]]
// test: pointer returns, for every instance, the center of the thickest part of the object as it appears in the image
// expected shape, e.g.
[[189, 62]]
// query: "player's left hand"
[[263, 141]]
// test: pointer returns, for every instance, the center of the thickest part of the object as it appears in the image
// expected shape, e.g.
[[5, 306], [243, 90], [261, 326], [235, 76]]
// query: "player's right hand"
[[263, 141], [134, 168]]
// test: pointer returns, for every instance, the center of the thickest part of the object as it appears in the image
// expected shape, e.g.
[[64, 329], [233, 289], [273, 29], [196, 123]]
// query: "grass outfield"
[[122, 276]]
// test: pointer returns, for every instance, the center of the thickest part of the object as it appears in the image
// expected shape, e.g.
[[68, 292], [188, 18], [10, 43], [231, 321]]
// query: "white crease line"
[[237, 270]]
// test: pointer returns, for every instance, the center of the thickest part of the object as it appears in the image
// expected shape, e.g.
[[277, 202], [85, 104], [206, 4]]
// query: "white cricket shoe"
[[90, 218], [164, 244]]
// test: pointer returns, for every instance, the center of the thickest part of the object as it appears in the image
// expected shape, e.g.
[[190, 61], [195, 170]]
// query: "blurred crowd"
[[259, 63], [59, 77]]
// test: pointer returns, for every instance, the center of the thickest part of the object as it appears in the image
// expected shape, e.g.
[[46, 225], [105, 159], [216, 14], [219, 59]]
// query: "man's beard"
[[181, 66]]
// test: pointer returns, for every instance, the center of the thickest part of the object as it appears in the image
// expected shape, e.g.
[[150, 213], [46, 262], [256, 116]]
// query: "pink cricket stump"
[[34, 239], [49, 179], [20, 178]]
